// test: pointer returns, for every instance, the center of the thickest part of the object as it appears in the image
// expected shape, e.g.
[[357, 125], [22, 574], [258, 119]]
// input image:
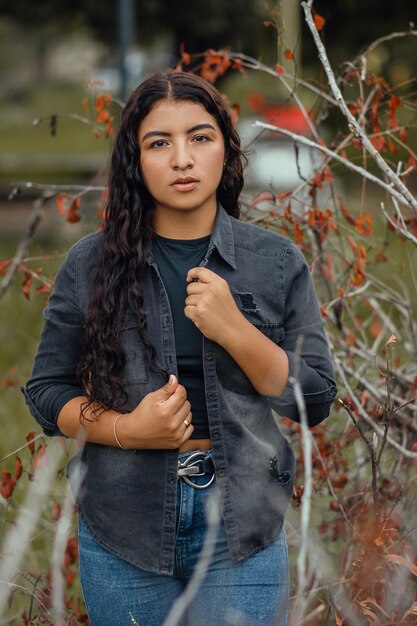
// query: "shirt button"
[[171, 478], [209, 355], [211, 395], [227, 511], [215, 433], [221, 472]]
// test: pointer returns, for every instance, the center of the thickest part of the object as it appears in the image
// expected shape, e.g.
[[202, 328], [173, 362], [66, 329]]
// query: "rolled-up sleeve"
[[305, 344], [54, 378]]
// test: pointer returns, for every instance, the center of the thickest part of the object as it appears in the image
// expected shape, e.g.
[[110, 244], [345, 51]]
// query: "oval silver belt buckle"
[[190, 465]]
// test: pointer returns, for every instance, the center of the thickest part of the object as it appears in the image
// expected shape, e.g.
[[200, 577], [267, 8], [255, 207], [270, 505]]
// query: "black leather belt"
[[197, 464]]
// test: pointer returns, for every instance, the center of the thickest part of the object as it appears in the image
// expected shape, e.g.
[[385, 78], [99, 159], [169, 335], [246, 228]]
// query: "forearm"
[[96, 429], [264, 363]]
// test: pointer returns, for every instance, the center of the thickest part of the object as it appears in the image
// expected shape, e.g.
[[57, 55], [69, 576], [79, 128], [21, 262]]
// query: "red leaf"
[[4, 265], [298, 234], [264, 196], [185, 56], [103, 116], [41, 458], [56, 510], [319, 21], [27, 284], [71, 552], [288, 54], [364, 224], [72, 215], [7, 485], [284, 194], [61, 198], [85, 105], [29, 439], [394, 104], [18, 468], [279, 69]]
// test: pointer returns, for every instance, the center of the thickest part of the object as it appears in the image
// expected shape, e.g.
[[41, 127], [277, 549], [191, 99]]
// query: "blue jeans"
[[253, 592]]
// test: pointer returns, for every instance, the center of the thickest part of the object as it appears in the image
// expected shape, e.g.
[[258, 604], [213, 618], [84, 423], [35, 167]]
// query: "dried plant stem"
[[407, 453], [353, 124], [372, 452], [24, 245], [15, 541], [337, 157]]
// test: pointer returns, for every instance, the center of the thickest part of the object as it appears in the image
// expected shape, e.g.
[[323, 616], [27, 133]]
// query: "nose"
[[182, 157]]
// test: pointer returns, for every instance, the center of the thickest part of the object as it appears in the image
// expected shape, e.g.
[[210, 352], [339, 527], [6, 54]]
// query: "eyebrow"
[[163, 133]]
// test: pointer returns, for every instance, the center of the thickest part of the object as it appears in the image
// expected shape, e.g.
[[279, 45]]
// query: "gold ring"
[[187, 423]]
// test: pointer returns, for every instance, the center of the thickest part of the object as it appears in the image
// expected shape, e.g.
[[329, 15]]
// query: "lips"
[[185, 184], [184, 181]]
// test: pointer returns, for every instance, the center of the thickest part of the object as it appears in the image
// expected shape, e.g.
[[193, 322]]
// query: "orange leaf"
[[298, 234], [60, 203], [99, 103], [288, 54], [363, 224], [27, 284], [96, 133], [319, 21], [103, 116], [85, 105], [72, 215], [186, 57], [7, 485], [352, 244], [18, 468]]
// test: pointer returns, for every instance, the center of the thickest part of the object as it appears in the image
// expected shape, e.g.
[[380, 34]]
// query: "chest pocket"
[[135, 370], [230, 374]]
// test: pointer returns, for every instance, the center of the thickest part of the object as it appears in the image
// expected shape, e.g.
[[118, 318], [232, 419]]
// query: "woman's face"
[[181, 156]]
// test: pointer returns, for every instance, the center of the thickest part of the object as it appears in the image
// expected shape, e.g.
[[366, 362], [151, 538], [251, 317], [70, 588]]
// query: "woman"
[[168, 339]]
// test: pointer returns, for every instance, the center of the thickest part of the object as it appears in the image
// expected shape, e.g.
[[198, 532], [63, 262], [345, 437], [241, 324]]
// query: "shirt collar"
[[221, 238]]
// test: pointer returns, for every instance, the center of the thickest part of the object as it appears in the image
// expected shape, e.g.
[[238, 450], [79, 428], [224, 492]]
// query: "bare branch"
[[353, 124], [24, 245], [379, 431], [376, 43], [337, 157]]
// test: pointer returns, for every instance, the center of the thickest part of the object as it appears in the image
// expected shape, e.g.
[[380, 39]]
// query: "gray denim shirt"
[[128, 498]]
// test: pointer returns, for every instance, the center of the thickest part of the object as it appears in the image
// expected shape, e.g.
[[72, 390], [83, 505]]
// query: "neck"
[[184, 225]]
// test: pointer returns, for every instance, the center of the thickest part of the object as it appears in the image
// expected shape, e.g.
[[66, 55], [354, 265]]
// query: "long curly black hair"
[[129, 229]]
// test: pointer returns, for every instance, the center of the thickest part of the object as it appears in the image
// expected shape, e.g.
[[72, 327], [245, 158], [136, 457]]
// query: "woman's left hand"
[[210, 305]]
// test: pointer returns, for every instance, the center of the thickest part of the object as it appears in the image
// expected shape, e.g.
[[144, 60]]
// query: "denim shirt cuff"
[[48, 426]]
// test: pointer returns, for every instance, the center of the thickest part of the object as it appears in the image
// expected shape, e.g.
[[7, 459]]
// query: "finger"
[[201, 273], [196, 288], [165, 392], [183, 415], [191, 300], [176, 399], [187, 434]]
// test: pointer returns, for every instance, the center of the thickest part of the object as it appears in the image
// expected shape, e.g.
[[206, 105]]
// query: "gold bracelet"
[[115, 433]]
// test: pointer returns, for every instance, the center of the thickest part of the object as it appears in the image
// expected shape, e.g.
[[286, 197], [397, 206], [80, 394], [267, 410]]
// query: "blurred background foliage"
[[55, 56]]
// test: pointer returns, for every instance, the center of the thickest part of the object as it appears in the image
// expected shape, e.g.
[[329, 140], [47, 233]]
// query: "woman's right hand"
[[159, 419]]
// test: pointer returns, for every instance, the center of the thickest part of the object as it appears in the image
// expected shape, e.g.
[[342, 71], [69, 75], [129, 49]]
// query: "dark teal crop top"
[[175, 257]]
